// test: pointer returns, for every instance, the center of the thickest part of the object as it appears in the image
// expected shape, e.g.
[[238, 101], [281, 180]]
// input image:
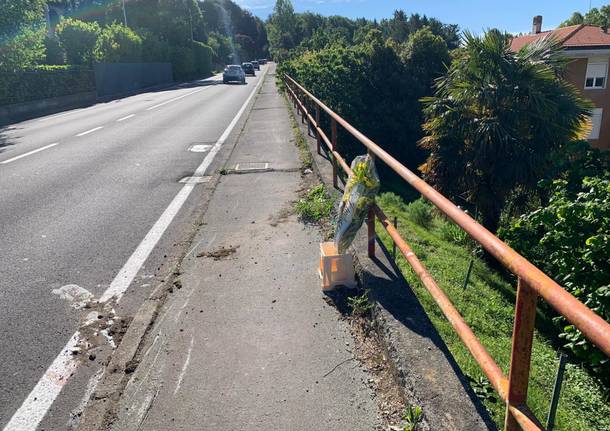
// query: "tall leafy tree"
[[599, 17], [496, 119], [21, 33], [281, 28]]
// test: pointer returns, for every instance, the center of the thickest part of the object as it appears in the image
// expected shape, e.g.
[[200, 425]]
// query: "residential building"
[[588, 47]]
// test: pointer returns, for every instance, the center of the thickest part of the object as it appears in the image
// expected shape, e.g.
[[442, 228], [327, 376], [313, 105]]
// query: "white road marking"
[[46, 390], [95, 129], [29, 153], [174, 99], [199, 148], [125, 118], [38, 402]]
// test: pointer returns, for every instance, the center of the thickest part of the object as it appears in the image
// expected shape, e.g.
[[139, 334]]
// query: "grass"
[[488, 306], [300, 142]]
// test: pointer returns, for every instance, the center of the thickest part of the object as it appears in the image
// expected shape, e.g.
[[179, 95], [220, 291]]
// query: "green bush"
[[78, 39], [22, 31], [22, 51], [203, 59], [568, 239], [190, 62], [154, 49], [183, 63], [419, 212], [44, 82], [118, 44], [55, 55]]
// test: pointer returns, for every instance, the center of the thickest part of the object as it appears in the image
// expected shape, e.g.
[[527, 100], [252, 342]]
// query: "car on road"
[[233, 73], [248, 68], [256, 65], [262, 61]]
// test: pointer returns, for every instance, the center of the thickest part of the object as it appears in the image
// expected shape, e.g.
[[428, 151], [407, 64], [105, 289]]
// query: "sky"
[[514, 16]]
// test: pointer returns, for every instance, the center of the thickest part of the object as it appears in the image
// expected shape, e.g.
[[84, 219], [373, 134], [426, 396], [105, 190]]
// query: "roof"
[[571, 37]]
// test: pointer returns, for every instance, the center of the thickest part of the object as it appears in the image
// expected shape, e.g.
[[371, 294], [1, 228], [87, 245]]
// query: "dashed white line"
[[95, 129], [38, 402], [174, 99], [125, 118], [29, 153]]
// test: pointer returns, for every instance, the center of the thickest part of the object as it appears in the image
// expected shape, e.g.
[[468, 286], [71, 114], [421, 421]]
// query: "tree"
[[118, 44], [281, 28], [21, 33], [599, 17], [575, 19], [495, 120], [78, 39]]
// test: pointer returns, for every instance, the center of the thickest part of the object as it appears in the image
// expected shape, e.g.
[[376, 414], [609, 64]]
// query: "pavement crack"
[[337, 366]]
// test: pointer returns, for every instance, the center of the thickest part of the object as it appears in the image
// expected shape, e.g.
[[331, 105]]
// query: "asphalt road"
[[79, 192]]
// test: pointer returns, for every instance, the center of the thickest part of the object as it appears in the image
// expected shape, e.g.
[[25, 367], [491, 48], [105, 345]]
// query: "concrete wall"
[[36, 108], [577, 69], [120, 78]]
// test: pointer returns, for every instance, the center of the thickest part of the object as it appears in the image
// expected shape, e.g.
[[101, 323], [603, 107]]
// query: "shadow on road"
[[4, 140]]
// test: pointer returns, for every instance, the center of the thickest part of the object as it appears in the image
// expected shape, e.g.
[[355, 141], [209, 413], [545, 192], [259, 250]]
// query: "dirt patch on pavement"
[[281, 217], [220, 253], [384, 382]]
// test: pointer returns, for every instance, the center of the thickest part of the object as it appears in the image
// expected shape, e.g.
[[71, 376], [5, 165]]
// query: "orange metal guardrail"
[[532, 282]]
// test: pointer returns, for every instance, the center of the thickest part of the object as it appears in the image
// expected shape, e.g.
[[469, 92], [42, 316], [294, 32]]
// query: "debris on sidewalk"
[[220, 253]]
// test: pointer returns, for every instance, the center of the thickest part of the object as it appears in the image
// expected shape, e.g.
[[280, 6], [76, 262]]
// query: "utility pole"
[[124, 14]]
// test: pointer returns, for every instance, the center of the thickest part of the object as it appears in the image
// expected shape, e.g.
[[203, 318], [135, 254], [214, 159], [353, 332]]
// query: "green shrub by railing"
[[44, 82]]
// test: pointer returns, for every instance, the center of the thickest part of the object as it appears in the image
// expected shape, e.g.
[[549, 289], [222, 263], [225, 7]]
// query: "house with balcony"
[[588, 47]]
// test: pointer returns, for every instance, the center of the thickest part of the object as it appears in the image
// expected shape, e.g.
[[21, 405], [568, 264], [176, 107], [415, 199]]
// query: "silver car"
[[233, 73]]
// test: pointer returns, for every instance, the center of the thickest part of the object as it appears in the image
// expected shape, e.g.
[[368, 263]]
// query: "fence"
[[532, 282]]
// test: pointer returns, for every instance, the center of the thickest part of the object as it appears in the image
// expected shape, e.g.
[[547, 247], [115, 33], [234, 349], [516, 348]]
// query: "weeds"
[[315, 206], [360, 305], [300, 142], [412, 417], [419, 212], [482, 389], [451, 232]]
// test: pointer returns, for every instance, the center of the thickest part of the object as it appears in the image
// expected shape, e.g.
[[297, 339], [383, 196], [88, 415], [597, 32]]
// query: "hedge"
[[191, 62], [44, 82], [203, 59]]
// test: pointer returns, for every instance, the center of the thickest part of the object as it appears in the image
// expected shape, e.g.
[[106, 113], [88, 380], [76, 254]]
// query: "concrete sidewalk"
[[246, 341]]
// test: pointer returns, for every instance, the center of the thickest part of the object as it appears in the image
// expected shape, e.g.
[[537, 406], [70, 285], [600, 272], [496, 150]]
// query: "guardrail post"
[[523, 334], [370, 220], [317, 127], [333, 140], [303, 110]]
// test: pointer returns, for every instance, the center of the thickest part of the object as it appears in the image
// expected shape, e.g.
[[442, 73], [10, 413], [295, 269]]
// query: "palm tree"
[[496, 118]]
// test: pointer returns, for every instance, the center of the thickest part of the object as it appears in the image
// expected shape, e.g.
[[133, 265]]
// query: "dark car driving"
[[255, 64], [248, 69]]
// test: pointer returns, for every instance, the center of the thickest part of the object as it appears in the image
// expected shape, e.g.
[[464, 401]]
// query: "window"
[[597, 72], [596, 123]]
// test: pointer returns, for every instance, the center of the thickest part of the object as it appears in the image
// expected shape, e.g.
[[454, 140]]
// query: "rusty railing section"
[[533, 283]]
